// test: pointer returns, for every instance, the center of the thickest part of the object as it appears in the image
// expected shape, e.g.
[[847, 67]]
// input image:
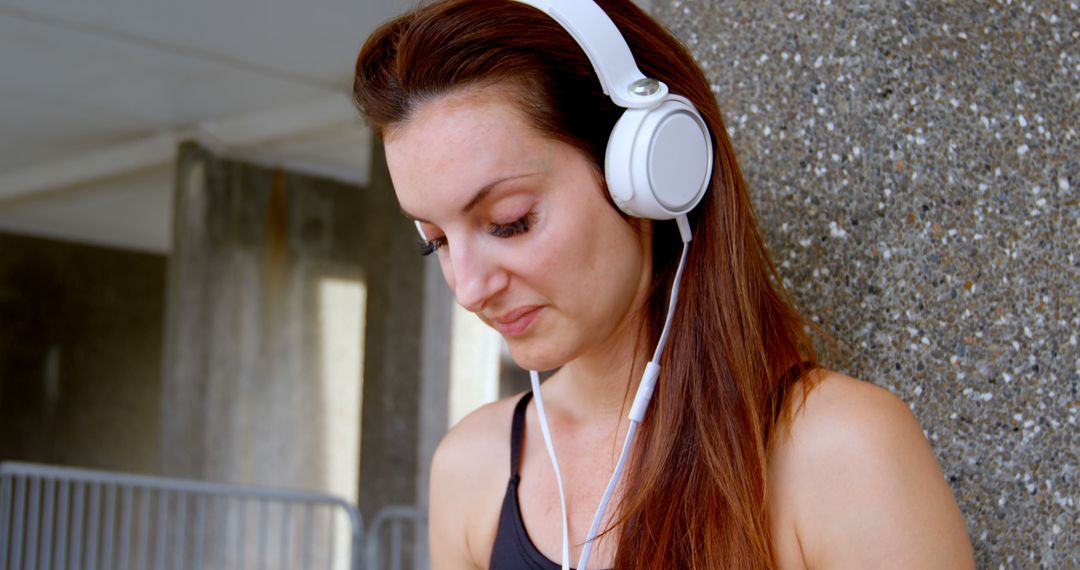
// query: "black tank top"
[[513, 549]]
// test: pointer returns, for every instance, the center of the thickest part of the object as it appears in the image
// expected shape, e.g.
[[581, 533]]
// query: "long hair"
[[696, 493]]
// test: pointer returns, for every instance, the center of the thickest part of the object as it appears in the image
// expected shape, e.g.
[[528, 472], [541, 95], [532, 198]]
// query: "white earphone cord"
[[637, 414], [535, 378]]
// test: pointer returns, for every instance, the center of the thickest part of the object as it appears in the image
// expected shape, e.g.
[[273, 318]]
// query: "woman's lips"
[[515, 322]]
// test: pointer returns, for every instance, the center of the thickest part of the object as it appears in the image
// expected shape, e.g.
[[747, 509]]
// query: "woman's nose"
[[477, 278]]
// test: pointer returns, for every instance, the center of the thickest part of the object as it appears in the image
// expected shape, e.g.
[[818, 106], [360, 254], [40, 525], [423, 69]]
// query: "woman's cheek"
[[550, 255]]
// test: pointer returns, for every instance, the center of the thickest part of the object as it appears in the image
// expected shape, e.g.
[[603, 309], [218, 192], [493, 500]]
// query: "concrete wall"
[[80, 354], [915, 166]]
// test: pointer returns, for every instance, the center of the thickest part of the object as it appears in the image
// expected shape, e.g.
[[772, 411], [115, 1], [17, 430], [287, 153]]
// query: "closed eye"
[[508, 230], [516, 227]]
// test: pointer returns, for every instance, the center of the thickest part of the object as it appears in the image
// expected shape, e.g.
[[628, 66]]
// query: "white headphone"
[[659, 155]]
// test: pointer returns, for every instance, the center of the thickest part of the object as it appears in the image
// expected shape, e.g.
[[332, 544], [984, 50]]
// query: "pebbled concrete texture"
[[915, 169]]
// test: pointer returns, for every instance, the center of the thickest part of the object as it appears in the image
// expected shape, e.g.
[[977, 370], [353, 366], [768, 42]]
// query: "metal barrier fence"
[[73, 519], [392, 530]]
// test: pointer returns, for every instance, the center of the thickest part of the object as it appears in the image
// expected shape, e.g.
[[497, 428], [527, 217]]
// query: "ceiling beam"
[[242, 134], [98, 164]]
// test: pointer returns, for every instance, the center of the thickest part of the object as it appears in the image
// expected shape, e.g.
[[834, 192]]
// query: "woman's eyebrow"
[[483, 193], [478, 197]]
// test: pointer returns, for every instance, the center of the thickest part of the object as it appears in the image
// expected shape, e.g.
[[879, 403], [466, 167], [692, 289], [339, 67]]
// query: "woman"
[[750, 456]]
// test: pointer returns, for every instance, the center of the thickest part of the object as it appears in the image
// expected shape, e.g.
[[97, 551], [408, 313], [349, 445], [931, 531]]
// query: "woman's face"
[[523, 233]]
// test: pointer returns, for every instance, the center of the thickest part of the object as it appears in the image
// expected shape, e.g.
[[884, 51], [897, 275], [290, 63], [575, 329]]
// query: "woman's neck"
[[601, 384]]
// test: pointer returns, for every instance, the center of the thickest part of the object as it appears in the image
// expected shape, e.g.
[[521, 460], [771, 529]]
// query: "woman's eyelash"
[[519, 226], [516, 227], [431, 246]]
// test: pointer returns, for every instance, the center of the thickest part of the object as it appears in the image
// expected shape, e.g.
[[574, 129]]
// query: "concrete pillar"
[[264, 327], [435, 372], [390, 466], [407, 377], [286, 294]]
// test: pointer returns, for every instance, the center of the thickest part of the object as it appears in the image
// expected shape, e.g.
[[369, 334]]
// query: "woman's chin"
[[530, 356]]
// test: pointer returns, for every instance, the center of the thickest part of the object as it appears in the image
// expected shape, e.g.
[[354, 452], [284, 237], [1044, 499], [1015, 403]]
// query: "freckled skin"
[[581, 260]]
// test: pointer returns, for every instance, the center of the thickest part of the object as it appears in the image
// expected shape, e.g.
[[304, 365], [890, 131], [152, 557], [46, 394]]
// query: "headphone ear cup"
[[659, 161]]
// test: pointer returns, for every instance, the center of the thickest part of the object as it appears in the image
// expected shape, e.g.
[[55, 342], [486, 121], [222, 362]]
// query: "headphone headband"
[[658, 160], [606, 49]]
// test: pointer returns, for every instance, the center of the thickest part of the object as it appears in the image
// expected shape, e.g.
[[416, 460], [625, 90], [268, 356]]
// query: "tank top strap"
[[517, 434]]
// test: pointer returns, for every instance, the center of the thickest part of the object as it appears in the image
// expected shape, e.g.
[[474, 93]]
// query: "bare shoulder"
[[856, 484], [469, 473]]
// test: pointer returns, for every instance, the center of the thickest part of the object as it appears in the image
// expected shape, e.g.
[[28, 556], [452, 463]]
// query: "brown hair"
[[696, 490]]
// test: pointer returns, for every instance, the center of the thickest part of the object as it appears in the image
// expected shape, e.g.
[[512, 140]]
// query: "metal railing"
[[73, 519], [392, 530]]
